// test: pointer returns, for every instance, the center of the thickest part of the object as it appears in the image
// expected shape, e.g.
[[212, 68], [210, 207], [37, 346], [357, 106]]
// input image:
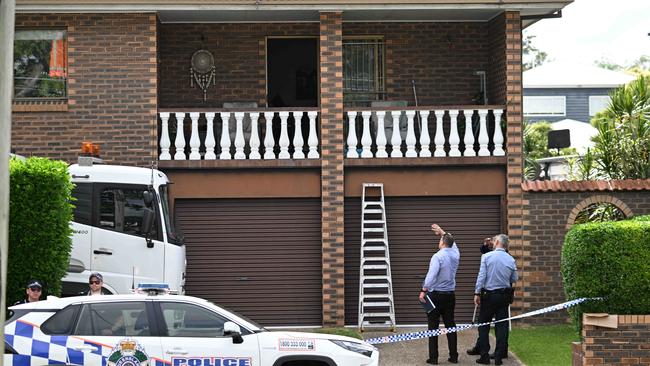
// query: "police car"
[[139, 329]]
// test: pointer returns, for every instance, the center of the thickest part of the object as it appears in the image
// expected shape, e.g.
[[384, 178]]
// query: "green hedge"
[[39, 225], [610, 260]]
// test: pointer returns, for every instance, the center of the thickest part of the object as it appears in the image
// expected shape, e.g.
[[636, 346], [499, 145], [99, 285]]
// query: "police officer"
[[33, 291], [493, 292], [95, 282], [439, 286]]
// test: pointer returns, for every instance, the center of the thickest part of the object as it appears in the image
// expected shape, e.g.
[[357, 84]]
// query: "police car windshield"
[[255, 324]]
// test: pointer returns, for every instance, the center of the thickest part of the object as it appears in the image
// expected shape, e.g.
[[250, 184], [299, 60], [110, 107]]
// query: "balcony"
[[266, 137]]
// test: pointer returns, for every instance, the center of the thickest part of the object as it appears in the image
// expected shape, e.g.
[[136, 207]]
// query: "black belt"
[[504, 290], [442, 292]]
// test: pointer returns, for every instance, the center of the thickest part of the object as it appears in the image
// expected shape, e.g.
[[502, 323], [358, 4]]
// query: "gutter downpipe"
[[7, 23]]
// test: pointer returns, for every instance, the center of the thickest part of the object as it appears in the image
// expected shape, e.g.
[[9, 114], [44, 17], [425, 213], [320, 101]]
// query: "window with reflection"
[[40, 64]]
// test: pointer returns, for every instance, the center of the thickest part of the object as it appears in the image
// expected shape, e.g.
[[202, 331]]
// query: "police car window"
[[114, 319], [187, 320], [62, 322]]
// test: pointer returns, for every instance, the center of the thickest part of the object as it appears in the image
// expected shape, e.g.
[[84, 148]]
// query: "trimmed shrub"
[[39, 225], [610, 260]]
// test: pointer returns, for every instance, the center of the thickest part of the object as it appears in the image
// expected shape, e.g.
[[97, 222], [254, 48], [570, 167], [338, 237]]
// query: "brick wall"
[[331, 94], [625, 345], [440, 57], [549, 214], [111, 90]]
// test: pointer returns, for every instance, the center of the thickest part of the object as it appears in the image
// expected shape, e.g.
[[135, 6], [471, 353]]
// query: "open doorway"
[[292, 76]]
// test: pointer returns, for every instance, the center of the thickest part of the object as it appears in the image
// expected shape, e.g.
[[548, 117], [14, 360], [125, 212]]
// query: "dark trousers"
[[445, 304], [493, 305]]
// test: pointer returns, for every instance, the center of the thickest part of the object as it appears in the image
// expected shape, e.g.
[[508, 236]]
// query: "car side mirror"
[[233, 330], [147, 225], [147, 197]]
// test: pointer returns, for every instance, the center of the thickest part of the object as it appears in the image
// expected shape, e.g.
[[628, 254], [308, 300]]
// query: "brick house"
[[424, 97]]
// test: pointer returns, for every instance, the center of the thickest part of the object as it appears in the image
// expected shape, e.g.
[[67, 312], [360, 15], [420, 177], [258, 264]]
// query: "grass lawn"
[[543, 345]]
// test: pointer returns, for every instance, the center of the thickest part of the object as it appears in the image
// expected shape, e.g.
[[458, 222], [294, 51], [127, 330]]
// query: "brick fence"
[[623, 342], [550, 210]]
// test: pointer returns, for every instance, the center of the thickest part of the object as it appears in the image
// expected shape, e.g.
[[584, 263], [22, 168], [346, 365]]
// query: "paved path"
[[415, 353]]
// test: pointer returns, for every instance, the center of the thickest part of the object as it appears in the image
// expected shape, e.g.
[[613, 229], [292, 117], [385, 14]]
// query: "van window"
[[83, 195], [122, 209]]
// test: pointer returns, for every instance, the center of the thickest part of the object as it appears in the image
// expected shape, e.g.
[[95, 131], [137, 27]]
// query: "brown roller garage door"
[[259, 257], [411, 245]]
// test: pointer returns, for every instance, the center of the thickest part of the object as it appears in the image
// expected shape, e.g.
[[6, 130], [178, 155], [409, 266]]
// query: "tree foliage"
[[532, 56], [639, 67], [622, 146], [39, 225]]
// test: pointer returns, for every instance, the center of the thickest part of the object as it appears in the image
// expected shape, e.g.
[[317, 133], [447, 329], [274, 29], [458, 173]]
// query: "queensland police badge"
[[128, 353]]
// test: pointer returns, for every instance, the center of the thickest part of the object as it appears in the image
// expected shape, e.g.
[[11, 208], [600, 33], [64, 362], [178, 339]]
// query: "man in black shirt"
[[33, 290]]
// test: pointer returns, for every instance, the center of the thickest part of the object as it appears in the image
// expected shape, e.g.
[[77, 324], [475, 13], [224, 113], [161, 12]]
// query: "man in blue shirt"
[[439, 286], [493, 292]]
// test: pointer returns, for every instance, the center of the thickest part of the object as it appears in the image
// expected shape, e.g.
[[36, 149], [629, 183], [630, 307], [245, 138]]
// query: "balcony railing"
[[250, 134], [271, 134], [402, 132]]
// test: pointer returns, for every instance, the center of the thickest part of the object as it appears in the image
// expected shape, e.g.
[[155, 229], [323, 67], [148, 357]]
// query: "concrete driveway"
[[415, 353]]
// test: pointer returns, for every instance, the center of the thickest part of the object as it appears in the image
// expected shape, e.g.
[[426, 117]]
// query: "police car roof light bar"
[[153, 289]]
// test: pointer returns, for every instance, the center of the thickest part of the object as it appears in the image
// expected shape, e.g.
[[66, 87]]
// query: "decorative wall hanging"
[[202, 70]]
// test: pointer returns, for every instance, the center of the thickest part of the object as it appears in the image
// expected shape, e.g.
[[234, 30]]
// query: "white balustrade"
[[381, 135], [312, 140], [366, 140], [352, 136], [498, 135], [195, 143], [164, 138], [425, 140], [483, 134], [179, 143], [439, 139], [297, 136], [255, 138], [469, 134], [284, 136], [268, 137], [416, 145], [410, 135], [396, 139]]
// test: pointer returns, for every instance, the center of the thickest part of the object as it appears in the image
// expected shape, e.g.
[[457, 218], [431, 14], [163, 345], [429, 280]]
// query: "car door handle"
[[103, 251], [85, 348], [176, 351]]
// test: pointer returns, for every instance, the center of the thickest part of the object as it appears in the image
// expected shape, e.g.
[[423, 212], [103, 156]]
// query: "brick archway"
[[601, 198]]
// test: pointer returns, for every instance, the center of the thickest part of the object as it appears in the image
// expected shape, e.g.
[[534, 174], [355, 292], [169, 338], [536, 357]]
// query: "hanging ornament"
[[202, 70]]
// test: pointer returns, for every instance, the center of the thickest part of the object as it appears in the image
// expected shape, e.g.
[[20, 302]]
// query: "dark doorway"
[[292, 72]]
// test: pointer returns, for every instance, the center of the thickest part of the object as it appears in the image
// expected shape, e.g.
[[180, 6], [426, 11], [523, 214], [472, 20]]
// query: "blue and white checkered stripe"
[[442, 331], [37, 349]]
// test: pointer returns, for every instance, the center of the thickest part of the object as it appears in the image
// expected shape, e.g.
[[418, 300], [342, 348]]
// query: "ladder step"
[[374, 266], [373, 184], [373, 240], [377, 304], [375, 296], [372, 211], [375, 285], [373, 248], [385, 324], [375, 277], [375, 315], [374, 221], [373, 230]]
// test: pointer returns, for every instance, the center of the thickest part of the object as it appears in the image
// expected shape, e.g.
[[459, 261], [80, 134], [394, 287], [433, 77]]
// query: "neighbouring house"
[[556, 91], [269, 116]]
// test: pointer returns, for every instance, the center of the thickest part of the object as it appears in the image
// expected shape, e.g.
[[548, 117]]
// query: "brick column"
[[514, 197], [331, 104]]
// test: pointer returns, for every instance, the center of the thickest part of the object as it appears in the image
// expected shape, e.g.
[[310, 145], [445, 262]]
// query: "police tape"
[[443, 331]]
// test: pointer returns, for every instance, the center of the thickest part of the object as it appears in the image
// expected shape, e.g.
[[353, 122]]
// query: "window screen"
[[363, 71]]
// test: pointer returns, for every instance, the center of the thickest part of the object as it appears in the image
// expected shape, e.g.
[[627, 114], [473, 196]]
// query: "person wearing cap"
[[33, 290], [95, 282]]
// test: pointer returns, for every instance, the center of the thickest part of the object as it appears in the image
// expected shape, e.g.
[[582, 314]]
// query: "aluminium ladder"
[[376, 305]]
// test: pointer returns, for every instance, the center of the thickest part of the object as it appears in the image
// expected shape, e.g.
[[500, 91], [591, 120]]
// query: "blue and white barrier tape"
[[443, 331]]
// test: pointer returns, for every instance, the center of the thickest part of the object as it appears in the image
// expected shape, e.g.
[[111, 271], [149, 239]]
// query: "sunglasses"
[[94, 282], [35, 289]]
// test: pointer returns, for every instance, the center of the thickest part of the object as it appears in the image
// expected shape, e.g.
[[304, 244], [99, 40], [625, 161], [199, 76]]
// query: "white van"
[[122, 228]]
